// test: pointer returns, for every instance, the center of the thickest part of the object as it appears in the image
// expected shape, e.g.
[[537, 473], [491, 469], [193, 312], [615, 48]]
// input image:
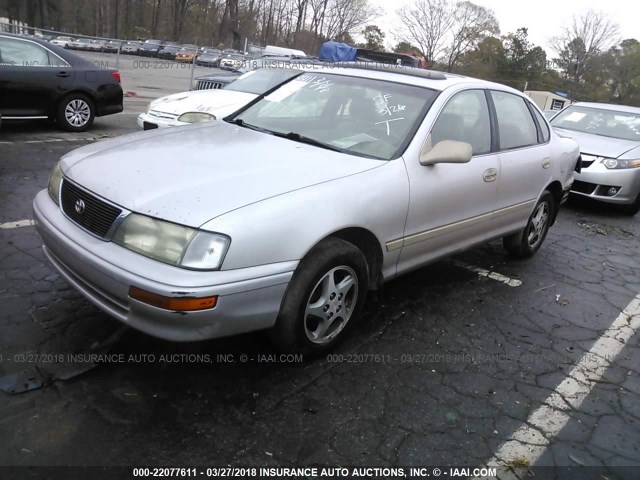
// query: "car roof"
[[433, 79], [608, 106]]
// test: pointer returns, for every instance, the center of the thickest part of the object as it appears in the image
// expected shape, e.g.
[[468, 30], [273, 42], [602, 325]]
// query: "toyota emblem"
[[80, 206]]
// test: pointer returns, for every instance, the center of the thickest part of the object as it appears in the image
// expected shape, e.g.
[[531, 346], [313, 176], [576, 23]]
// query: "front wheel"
[[76, 113], [632, 208], [525, 243], [324, 299]]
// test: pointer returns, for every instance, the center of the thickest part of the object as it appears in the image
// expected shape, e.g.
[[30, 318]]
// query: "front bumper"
[[248, 299], [595, 180]]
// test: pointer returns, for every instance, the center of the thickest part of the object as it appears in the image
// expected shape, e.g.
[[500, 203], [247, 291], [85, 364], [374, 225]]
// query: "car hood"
[[192, 174], [597, 144], [201, 101]]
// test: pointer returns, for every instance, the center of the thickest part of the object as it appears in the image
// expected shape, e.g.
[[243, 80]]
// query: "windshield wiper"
[[242, 123], [296, 137]]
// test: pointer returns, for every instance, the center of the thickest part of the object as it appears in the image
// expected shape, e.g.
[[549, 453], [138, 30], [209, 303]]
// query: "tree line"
[[590, 61], [304, 24]]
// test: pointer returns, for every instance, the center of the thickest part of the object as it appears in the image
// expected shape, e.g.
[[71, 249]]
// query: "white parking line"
[[16, 224], [51, 140], [530, 441], [512, 282]]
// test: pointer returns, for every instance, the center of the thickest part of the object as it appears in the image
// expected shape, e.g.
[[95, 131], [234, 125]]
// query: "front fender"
[[286, 227]]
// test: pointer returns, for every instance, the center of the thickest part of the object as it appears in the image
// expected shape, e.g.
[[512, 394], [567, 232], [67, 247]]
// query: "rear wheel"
[[528, 241], [324, 299], [76, 113]]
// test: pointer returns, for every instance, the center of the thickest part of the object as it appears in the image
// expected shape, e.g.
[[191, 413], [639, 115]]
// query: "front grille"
[[587, 160], [583, 187], [202, 85], [97, 215]]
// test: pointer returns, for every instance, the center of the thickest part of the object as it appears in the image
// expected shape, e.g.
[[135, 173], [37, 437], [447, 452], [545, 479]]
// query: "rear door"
[[525, 160], [32, 78]]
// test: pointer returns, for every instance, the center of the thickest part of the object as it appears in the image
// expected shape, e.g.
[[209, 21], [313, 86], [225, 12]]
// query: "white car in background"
[[205, 105], [63, 41]]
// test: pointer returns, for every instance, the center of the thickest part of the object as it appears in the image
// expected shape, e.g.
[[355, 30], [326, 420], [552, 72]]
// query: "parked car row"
[[149, 48]]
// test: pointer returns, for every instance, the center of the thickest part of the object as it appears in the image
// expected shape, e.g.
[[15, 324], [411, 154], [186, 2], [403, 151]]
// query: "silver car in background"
[[609, 139], [286, 213]]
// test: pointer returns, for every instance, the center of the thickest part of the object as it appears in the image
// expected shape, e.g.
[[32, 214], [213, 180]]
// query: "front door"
[[451, 205]]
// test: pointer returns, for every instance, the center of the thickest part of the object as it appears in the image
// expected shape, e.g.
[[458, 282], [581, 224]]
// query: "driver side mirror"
[[445, 151]]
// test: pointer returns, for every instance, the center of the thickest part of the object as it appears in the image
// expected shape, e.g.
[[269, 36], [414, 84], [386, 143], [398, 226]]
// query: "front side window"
[[360, 116], [515, 123], [465, 118]]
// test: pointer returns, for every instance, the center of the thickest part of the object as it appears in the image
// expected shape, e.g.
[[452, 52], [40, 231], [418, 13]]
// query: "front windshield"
[[361, 116], [261, 80], [607, 123]]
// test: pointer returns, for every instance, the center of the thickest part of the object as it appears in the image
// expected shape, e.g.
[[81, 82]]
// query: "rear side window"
[[544, 127], [465, 118], [515, 123], [22, 54], [19, 53]]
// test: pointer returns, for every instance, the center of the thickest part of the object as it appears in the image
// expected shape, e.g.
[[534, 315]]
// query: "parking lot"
[[475, 360]]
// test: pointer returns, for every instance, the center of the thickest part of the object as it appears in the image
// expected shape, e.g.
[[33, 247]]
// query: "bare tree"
[[346, 16], [471, 23], [581, 42], [426, 24]]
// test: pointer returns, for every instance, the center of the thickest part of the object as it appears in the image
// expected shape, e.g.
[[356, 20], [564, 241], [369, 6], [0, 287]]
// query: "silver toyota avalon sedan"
[[609, 139], [284, 214]]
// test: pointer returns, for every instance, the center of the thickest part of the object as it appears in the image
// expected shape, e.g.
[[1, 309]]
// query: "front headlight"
[[613, 164], [54, 183], [195, 117], [171, 243]]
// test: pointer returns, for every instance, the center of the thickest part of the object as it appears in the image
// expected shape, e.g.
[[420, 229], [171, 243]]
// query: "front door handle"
[[490, 175], [63, 74]]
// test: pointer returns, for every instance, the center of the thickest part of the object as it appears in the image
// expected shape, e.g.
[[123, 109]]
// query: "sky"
[[543, 18]]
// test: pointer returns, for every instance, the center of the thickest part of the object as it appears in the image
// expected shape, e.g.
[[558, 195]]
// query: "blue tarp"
[[337, 52]]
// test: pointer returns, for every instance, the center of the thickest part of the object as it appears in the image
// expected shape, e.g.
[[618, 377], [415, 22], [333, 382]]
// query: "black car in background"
[[42, 81], [210, 58], [169, 52], [148, 49]]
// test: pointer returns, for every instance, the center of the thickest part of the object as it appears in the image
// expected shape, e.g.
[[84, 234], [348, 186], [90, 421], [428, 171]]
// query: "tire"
[[527, 242], [331, 280], [76, 113], [632, 208]]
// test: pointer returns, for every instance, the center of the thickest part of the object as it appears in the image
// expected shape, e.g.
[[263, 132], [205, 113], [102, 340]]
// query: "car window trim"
[[68, 65], [541, 140]]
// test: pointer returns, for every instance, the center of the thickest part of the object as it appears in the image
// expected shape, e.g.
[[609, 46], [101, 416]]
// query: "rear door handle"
[[63, 75], [490, 175]]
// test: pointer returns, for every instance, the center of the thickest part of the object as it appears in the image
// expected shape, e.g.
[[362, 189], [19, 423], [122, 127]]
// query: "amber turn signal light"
[[178, 304]]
